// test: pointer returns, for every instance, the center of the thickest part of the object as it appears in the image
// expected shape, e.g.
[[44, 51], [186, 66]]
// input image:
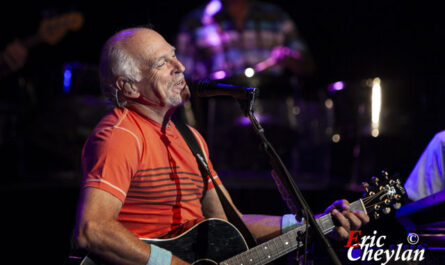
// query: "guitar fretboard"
[[283, 244]]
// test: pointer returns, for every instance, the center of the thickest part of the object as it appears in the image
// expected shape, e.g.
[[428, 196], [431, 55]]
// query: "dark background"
[[43, 129]]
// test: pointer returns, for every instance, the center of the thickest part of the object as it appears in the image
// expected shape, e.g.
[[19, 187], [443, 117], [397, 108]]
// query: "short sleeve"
[[109, 160], [427, 177]]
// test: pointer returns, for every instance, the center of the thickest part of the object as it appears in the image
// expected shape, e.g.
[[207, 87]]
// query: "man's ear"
[[126, 87]]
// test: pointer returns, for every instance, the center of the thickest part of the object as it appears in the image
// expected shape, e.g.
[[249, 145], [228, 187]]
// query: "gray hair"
[[115, 61]]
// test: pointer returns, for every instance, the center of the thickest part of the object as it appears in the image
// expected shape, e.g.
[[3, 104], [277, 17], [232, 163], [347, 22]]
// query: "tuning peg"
[[381, 187], [376, 215], [397, 205], [375, 180], [392, 182], [371, 193], [384, 174], [386, 210], [398, 197], [365, 186], [377, 207], [387, 201]]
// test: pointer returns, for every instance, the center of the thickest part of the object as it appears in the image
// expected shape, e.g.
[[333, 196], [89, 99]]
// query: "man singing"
[[140, 179]]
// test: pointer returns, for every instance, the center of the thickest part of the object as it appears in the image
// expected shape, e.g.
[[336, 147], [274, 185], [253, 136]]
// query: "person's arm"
[[428, 176], [12, 58], [298, 62], [98, 231], [265, 227]]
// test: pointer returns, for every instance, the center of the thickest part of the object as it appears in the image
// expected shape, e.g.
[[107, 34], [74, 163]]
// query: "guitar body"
[[208, 242]]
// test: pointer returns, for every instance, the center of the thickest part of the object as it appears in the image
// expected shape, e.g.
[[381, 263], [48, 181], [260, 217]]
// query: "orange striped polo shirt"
[[149, 168]]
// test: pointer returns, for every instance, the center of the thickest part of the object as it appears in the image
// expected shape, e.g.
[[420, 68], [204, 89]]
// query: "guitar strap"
[[230, 212]]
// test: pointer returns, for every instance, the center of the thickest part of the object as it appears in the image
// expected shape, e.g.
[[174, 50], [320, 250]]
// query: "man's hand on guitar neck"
[[346, 219]]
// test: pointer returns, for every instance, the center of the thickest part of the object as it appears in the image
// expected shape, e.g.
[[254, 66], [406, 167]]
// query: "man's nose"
[[179, 67]]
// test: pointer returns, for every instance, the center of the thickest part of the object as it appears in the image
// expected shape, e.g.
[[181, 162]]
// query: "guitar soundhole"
[[204, 262]]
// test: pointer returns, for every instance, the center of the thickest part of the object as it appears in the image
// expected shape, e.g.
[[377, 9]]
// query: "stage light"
[[67, 74], [249, 72], [218, 75], [337, 86], [376, 104], [212, 7], [328, 103], [336, 138]]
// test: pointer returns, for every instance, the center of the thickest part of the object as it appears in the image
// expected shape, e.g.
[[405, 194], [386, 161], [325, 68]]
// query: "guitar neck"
[[33, 40], [285, 243]]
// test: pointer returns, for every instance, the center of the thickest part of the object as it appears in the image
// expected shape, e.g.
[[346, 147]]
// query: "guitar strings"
[[367, 201]]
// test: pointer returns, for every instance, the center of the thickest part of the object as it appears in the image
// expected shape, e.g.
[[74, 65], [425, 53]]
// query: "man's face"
[[162, 83]]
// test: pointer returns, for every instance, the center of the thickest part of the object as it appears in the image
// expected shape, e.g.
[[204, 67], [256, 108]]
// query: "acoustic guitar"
[[215, 241]]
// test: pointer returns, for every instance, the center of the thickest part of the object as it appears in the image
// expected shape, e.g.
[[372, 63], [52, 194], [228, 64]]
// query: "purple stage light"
[[218, 75], [337, 86], [212, 8]]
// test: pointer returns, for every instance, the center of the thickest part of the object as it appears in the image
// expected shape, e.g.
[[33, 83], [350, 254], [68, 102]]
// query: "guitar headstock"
[[53, 29], [382, 194]]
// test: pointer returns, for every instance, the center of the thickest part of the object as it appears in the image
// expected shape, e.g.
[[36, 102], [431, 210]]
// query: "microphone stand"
[[282, 172]]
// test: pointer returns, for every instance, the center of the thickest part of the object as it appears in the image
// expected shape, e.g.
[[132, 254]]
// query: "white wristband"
[[288, 222], [159, 256]]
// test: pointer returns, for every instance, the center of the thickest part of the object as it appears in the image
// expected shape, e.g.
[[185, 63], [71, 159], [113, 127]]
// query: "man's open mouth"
[[180, 84]]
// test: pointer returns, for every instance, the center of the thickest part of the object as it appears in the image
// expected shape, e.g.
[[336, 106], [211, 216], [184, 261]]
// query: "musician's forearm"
[[112, 242], [263, 227]]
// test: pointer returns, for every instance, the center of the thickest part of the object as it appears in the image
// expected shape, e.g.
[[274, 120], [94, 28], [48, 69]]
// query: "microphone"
[[206, 88]]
